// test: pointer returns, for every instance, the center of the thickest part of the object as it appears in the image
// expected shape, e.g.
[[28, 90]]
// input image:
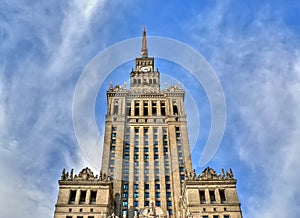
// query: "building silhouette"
[[146, 165]]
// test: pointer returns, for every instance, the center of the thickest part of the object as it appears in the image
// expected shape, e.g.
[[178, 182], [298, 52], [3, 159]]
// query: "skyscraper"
[[146, 164], [146, 147]]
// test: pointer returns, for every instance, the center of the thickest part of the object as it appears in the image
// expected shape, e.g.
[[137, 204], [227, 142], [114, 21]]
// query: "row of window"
[[82, 198], [215, 216], [79, 217], [212, 197]]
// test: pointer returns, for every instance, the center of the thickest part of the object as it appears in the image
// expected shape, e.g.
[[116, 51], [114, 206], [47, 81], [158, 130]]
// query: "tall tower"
[[146, 147]]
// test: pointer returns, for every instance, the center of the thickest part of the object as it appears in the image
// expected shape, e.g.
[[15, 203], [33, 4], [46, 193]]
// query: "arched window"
[[116, 107], [175, 109]]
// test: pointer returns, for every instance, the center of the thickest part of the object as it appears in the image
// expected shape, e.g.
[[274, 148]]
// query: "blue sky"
[[253, 47]]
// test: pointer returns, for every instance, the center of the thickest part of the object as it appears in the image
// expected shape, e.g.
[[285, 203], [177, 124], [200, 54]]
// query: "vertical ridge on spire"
[[144, 45]]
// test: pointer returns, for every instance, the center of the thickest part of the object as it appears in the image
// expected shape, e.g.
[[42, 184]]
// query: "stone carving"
[[208, 174], [85, 174]]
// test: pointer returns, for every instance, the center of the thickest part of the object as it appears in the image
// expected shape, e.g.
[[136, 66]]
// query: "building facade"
[[146, 152]]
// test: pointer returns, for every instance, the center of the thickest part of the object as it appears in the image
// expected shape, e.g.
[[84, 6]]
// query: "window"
[[90, 216], [126, 156], [156, 171], [165, 149], [126, 164], [113, 148], [222, 196], [205, 216], [202, 197], [72, 197], [169, 195], [157, 194], [165, 136], [170, 212], [82, 197], [125, 195], [165, 143], [135, 194], [125, 186], [212, 197], [146, 149], [147, 195], [113, 141], [68, 216], [147, 203], [147, 186], [136, 164], [124, 203], [136, 156], [169, 203], [168, 186], [79, 216], [215, 216], [136, 186], [226, 216], [136, 149], [156, 163], [154, 130], [146, 156], [167, 178], [93, 197], [181, 169], [135, 203], [126, 149], [113, 134], [136, 171], [155, 149], [157, 203], [146, 171], [157, 186], [177, 128], [179, 154], [181, 177], [156, 156]]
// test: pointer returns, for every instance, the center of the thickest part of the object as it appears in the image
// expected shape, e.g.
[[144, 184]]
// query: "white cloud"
[[36, 90], [259, 70]]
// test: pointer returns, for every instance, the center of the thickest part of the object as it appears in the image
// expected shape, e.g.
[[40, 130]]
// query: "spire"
[[144, 45]]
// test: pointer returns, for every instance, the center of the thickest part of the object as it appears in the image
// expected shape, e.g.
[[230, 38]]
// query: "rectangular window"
[[215, 216], [136, 149], [222, 196], [157, 194], [146, 171], [226, 216], [147, 203], [146, 143], [113, 141], [136, 171], [167, 178], [124, 203], [181, 177], [93, 197], [205, 216], [146, 156], [165, 149], [136, 186], [135, 203], [82, 197], [135, 194], [169, 195], [125, 195], [169, 203], [147, 186], [156, 171], [136, 130], [155, 149], [212, 197], [147, 195], [157, 186], [168, 186], [146, 149], [72, 197], [202, 196], [136, 156], [156, 156], [125, 186], [154, 130], [157, 203], [136, 164], [126, 149], [170, 212], [113, 148], [181, 169]]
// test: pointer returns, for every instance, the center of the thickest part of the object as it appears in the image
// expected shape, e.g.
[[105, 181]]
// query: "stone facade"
[[210, 195], [84, 195]]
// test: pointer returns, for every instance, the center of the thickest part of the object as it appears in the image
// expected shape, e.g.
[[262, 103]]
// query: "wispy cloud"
[[260, 74], [41, 53]]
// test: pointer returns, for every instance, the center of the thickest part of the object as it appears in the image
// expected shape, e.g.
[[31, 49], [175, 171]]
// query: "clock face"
[[145, 69]]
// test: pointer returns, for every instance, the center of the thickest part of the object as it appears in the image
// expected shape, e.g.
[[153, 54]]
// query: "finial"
[[144, 45]]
